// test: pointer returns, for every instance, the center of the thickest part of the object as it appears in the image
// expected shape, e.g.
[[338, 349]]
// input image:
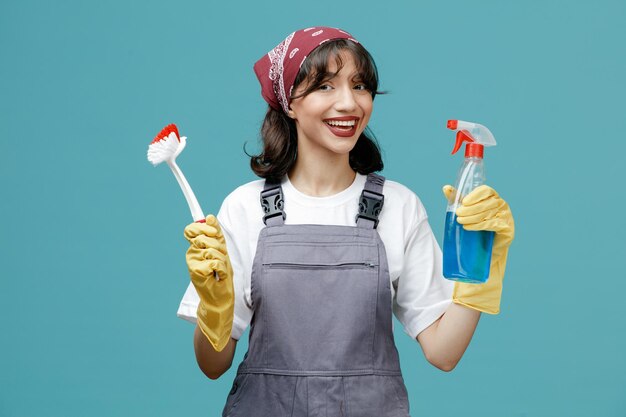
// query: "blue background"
[[92, 253]]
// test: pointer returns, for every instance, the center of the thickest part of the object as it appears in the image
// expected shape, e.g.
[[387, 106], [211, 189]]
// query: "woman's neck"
[[319, 177]]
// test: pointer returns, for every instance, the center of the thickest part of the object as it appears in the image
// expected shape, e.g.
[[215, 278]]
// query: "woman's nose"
[[345, 99]]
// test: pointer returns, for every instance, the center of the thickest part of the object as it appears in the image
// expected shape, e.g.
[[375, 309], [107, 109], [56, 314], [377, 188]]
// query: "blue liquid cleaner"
[[466, 254]]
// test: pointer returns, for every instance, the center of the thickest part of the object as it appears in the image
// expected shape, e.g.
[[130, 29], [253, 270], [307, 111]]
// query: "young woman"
[[316, 256]]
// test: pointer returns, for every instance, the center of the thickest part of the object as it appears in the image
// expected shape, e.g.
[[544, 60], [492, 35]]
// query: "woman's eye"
[[360, 87], [324, 87]]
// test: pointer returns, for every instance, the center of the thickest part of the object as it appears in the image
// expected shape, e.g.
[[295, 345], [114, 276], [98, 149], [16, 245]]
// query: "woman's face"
[[331, 118]]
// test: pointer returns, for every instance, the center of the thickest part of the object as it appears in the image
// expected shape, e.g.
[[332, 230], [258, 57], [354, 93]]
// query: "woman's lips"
[[342, 132], [344, 126]]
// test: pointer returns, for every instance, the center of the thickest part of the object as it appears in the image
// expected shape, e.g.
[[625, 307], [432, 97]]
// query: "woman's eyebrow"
[[352, 76], [356, 76], [329, 75]]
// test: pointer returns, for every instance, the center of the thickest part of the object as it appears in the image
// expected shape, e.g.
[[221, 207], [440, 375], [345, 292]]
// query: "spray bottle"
[[467, 254]]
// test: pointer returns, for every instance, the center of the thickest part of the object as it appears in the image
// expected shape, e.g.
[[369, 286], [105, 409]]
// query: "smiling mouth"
[[342, 128], [341, 124]]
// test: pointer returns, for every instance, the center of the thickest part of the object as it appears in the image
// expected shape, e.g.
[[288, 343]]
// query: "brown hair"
[[279, 134]]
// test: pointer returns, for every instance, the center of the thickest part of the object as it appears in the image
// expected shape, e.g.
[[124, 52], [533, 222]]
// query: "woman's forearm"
[[445, 341], [213, 364]]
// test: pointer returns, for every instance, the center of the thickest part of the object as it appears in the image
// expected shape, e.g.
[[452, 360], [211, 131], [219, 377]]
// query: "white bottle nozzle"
[[476, 132]]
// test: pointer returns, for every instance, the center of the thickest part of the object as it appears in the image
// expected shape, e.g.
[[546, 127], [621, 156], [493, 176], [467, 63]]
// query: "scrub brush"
[[165, 147]]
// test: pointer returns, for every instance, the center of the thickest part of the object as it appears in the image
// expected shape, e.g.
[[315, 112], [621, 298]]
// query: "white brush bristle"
[[163, 150]]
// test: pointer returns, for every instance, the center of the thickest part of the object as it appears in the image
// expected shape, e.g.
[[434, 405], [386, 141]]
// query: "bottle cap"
[[474, 150]]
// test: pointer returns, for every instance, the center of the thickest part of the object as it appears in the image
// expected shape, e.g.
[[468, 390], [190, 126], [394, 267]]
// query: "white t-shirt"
[[420, 294]]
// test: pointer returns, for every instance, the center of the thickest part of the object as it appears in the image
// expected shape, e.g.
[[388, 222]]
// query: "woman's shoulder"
[[403, 199], [243, 199], [245, 191], [241, 212], [398, 188], [400, 191]]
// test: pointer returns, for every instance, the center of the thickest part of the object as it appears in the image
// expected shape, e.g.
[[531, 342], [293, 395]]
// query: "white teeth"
[[341, 122]]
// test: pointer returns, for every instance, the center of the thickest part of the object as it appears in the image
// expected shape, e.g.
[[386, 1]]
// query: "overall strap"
[[371, 202], [272, 202]]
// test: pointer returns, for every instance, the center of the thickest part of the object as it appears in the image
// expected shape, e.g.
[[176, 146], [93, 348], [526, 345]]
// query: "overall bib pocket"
[[327, 307]]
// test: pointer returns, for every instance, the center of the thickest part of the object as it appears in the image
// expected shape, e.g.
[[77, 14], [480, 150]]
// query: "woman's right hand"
[[212, 275]]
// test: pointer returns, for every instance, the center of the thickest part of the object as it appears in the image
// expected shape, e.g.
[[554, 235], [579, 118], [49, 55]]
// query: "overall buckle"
[[370, 205], [272, 203]]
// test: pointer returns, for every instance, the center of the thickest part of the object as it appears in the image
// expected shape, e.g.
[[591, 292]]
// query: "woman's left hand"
[[483, 209]]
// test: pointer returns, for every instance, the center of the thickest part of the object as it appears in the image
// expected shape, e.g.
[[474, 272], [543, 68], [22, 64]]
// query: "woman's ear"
[[291, 113]]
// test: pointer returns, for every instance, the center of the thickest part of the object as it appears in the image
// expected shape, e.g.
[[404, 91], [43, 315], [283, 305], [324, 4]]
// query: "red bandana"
[[277, 70]]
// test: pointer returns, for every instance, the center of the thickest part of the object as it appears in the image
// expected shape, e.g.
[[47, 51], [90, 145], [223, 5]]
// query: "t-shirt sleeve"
[[422, 294], [236, 252]]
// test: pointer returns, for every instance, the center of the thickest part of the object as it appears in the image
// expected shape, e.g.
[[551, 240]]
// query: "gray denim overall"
[[321, 343]]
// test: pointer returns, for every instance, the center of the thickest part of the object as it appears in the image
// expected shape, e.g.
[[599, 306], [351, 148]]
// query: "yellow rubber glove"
[[206, 256], [483, 209]]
